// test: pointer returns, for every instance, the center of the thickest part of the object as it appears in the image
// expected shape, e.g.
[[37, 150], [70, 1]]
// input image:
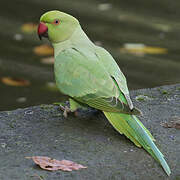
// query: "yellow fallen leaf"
[[43, 50], [14, 81], [48, 60], [29, 27], [141, 49]]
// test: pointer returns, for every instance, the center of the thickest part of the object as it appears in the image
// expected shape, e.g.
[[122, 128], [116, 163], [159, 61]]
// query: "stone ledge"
[[90, 140]]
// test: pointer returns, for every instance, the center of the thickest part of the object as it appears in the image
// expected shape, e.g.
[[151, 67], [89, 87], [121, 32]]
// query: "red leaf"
[[53, 164]]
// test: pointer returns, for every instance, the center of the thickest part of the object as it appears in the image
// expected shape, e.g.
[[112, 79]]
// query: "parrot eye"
[[56, 21]]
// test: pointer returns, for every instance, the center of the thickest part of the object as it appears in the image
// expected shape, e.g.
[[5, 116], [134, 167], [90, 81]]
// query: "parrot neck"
[[78, 39]]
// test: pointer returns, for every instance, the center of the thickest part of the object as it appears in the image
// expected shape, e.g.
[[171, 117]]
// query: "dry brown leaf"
[[53, 164], [43, 50], [48, 60], [15, 81], [175, 123], [141, 49], [29, 27]]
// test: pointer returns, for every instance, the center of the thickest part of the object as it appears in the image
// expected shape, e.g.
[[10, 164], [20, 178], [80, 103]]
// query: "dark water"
[[153, 23]]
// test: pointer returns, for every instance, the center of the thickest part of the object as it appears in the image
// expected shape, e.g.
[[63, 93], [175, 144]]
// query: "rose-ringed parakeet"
[[89, 75]]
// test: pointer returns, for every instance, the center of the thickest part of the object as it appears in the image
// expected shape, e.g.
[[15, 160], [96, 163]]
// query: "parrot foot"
[[67, 110]]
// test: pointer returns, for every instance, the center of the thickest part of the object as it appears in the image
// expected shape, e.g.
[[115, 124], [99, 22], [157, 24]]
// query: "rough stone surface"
[[90, 140]]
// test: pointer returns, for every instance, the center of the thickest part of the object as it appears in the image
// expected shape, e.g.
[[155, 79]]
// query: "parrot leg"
[[67, 110], [64, 107], [74, 105]]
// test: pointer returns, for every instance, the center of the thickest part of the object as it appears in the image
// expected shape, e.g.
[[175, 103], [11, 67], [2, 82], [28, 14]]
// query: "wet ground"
[[111, 25], [91, 141]]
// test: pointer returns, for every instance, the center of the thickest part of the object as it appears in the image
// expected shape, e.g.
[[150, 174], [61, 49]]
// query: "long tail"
[[130, 126]]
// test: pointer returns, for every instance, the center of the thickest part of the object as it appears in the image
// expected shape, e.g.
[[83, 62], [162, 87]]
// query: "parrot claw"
[[67, 110]]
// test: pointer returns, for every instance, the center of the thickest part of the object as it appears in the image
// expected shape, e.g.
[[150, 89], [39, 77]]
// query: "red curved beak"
[[42, 30]]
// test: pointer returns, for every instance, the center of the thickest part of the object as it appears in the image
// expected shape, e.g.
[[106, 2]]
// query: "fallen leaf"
[[51, 86], [53, 164], [104, 6], [18, 37], [141, 49], [14, 81], [43, 50], [21, 99], [175, 123], [98, 43], [29, 27], [162, 27], [48, 60]]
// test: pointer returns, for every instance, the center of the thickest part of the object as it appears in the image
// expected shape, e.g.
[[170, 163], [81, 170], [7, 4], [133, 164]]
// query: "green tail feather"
[[130, 126]]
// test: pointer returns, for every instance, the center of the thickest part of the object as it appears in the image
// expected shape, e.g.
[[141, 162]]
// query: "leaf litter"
[[53, 164], [48, 60], [43, 50], [11, 81], [29, 27], [174, 123], [142, 49]]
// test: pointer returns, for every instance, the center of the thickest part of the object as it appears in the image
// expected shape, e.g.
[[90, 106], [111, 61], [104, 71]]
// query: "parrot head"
[[57, 26]]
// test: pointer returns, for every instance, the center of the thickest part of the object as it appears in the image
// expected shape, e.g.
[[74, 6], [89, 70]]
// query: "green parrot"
[[89, 75]]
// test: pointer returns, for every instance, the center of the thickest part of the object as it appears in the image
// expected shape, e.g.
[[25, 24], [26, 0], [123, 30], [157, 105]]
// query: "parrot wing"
[[81, 75], [114, 70]]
